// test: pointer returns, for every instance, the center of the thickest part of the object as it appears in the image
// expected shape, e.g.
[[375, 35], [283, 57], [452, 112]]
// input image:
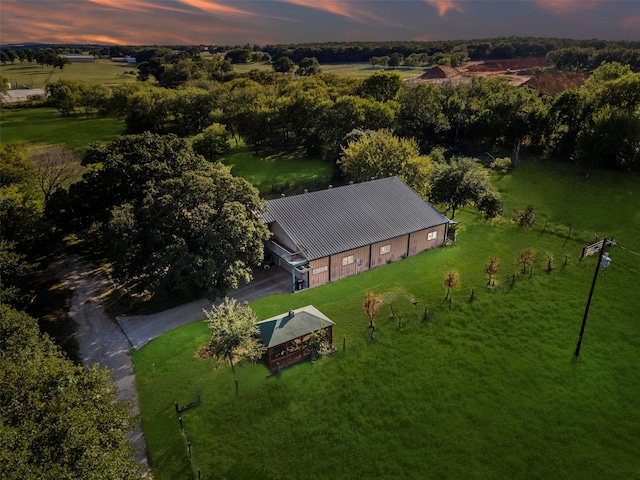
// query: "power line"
[[627, 249], [628, 268]]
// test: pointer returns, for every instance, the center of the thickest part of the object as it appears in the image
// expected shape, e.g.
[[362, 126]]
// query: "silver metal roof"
[[331, 221]]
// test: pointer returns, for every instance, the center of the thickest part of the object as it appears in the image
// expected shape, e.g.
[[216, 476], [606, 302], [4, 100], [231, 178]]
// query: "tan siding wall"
[[398, 249], [321, 278], [419, 243], [338, 271]]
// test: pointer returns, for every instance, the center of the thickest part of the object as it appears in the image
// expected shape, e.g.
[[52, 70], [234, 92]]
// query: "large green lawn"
[[487, 389], [101, 72], [47, 125], [275, 174]]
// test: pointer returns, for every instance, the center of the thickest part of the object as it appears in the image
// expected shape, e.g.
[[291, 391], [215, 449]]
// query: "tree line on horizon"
[[574, 54]]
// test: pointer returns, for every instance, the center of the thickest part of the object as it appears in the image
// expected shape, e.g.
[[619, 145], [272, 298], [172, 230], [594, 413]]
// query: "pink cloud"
[[632, 24], [355, 11], [443, 6], [563, 7]]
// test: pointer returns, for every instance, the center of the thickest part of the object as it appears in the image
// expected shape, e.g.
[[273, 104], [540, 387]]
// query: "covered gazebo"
[[289, 336]]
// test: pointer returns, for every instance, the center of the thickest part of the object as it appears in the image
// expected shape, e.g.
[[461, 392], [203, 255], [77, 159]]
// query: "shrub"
[[526, 217]]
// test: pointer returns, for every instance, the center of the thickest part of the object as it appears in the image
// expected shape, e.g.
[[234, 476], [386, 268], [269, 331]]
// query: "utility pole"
[[593, 286]]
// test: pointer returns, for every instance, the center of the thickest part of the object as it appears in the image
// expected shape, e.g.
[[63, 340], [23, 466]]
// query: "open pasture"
[[355, 70], [48, 126], [487, 387], [31, 75]]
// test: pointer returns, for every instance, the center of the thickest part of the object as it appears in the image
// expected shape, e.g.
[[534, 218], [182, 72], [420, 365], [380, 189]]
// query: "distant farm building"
[[81, 58], [124, 59], [289, 336], [331, 234]]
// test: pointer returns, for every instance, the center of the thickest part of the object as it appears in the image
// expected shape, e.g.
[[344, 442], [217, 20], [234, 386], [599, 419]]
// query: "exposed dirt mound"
[[440, 72], [507, 65], [556, 82]]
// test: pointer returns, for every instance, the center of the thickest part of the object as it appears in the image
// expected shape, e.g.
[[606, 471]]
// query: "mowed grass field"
[[275, 174], [355, 70], [48, 126], [101, 71], [487, 388]]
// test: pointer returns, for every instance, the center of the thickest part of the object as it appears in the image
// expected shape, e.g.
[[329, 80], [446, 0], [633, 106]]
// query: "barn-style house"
[[288, 337], [330, 234]]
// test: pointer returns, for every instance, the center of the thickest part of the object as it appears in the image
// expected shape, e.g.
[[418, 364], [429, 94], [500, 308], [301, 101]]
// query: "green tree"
[[234, 333], [15, 167], [350, 112], [462, 182], [212, 142], [308, 66], [284, 65], [382, 86], [59, 420], [4, 87], [195, 234], [239, 55], [382, 154], [421, 114], [192, 110], [170, 220]]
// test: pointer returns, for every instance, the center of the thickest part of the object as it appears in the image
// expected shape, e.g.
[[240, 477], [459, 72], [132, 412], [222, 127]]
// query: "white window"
[[432, 235], [347, 260], [385, 249], [319, 270]]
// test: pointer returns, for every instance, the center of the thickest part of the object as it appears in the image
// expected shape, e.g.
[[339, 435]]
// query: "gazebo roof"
[[291, 325]]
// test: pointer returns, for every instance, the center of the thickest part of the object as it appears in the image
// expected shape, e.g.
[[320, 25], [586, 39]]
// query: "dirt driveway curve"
[[108, 343]]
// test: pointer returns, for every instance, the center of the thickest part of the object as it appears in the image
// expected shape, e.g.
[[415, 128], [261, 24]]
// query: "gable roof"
[[331, 221], [285, 327]]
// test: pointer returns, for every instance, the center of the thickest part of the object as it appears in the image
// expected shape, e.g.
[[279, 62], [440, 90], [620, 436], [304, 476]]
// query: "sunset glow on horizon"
[[209, 22]]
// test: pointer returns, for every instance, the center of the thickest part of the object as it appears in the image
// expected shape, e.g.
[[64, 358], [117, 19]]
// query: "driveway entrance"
[[141, 329]]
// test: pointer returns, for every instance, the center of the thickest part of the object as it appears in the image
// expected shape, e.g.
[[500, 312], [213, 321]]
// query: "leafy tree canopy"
[[234, 332], [59, 420], [382, 154], [462, 182], [170, 220]]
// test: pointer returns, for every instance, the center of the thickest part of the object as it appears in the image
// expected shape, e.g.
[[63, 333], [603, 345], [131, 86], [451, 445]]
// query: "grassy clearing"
[[487, 389], [275, 174], [48, 126], [98, 72], [355, 70]]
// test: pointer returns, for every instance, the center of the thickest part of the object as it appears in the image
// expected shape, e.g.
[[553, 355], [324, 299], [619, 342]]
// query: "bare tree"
[[491, 268], [371, 306], [450, 281], [56, 167], [526, 258]]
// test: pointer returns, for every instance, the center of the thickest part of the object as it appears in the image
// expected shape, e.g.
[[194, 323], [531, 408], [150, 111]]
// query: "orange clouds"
[[343, 9], [562, 7], [443, 6]]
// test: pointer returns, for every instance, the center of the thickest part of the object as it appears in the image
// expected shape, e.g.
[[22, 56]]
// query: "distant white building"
[[81, 58], [127, 59]]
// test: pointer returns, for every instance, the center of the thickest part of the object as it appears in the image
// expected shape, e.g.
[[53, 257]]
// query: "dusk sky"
[[208, 22]]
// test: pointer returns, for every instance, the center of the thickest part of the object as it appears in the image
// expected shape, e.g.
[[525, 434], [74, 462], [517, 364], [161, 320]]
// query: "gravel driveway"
[[108, 343]]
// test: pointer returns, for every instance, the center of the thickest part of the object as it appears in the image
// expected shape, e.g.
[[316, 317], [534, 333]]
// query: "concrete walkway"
[[141, 329]]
